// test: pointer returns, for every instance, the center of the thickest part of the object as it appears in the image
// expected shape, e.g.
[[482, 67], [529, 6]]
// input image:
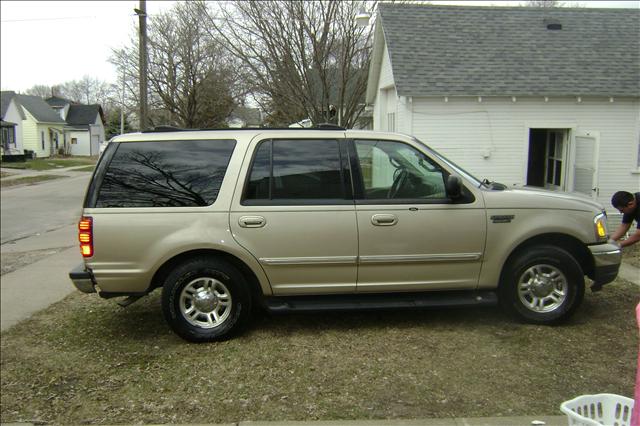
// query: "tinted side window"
[[165, 174], [307, 169]]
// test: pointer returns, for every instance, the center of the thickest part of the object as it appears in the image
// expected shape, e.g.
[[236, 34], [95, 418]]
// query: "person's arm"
[[622, 229], [633, 238]]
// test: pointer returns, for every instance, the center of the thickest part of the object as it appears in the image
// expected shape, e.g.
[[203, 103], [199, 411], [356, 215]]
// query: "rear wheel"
[[205, 299], [542, 285]]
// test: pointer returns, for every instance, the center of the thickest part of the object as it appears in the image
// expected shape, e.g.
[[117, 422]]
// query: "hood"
[[530, 197]]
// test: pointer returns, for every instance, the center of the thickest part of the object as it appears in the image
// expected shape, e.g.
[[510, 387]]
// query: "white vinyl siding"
[[13, 116], [30, 134], [490, 139]]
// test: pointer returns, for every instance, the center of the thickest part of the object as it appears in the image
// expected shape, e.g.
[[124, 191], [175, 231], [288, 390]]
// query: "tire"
[[542, 285], [206, 299]]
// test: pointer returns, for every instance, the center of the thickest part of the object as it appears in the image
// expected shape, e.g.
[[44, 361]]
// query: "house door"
[[547, 158], [585, 165]]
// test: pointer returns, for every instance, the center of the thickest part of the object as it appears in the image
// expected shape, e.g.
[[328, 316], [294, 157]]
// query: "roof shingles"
[[497, 51]]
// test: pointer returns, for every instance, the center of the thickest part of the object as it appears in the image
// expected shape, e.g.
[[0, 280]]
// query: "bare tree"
[[192, 82], [301, 58], [87, 90], [40, 90]]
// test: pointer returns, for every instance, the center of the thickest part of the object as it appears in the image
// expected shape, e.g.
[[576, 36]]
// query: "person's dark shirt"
[[634, 215]]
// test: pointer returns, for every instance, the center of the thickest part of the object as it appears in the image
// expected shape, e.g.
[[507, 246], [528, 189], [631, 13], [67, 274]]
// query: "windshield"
[[451, 164]]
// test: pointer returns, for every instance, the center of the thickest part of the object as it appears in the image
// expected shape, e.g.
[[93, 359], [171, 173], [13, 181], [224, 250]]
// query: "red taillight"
[[85, 236]]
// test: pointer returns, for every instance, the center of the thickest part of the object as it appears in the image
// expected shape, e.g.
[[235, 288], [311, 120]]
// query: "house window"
[[42, 139], [638, 163], [391, 122], [8, 137], [555, 154], [74, 141]]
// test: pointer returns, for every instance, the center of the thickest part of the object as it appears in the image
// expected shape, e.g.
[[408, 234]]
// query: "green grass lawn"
[[51, 163], [85, 360]]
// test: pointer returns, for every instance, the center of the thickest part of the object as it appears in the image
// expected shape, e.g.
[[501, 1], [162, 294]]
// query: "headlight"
[[600, 223]]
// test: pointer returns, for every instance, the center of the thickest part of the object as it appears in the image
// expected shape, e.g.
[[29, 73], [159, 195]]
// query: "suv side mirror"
[[453, 187]]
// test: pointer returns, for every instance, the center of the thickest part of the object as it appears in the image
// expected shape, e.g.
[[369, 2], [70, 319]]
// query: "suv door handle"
[[384, 219], [252, 221]]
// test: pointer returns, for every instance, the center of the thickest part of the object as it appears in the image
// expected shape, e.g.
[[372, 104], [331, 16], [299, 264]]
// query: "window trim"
[[345, 178]]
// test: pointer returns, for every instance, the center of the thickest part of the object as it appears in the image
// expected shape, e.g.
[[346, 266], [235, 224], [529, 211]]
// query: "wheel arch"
[[250, 277], [570, 244]]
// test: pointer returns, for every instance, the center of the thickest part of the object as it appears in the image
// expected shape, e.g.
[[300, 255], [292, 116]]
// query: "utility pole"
[[142, 16], [122, 104]]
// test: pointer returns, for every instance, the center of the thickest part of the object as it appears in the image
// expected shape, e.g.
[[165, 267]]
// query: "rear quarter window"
[[164, 174]]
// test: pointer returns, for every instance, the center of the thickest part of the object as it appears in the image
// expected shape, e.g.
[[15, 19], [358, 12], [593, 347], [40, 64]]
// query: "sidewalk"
[[37, 286], [20, 173]]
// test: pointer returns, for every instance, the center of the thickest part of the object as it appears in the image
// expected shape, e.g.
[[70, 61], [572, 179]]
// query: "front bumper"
[[83, 279], [606, 263]]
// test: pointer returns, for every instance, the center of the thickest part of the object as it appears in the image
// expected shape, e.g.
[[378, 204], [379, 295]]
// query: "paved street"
[[36, 209]]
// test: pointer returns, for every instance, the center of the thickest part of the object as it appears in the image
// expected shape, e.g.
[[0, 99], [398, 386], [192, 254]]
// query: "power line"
[[48, 19]]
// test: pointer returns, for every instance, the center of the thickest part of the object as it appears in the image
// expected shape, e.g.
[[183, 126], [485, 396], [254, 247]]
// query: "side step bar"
[[348, 302]]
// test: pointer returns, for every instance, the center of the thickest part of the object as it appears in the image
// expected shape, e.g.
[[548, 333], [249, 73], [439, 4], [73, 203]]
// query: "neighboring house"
[[245, 117], [528, 96], [84, 131], [42, 129], [12, 117]]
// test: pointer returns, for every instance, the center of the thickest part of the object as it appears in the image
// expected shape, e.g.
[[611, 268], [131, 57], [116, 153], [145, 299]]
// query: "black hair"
[[621, 199]]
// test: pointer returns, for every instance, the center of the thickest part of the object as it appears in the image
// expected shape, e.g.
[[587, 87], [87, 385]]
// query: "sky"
[[51, 42]]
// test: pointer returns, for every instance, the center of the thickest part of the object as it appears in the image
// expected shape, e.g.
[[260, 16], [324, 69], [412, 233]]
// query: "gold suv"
[[326, 219]]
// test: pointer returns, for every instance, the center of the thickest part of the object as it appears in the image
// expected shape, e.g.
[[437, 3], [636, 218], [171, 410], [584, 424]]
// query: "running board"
[[348, 302]]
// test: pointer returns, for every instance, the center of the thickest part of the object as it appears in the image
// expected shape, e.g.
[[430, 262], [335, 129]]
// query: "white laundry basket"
[[601, 409]]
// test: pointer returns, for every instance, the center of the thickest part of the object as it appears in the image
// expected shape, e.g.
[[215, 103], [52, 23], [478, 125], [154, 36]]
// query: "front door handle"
[[252, 221], [384, 219]]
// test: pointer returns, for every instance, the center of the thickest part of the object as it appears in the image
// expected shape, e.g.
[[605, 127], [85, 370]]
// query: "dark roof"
[[5, 101], [57, 102], [83, 115], [40, 110], [460, 50]]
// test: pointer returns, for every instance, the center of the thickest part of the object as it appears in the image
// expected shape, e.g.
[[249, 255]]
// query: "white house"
[[523, 96], [84, 131], [12, 117]]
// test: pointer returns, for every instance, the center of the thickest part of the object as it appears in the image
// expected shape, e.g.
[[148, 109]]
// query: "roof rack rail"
[[330, 126], [164, 128], [320, 126]]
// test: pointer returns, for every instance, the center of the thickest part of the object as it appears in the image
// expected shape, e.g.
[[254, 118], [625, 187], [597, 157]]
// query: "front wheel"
[[205, 299], [542, 285]]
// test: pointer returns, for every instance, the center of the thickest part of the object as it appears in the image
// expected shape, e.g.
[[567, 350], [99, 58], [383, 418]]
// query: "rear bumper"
[[606, 261], [83, 279]]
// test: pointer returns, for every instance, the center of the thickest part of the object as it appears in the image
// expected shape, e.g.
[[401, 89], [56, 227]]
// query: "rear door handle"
[[384, 219], [252, 221]]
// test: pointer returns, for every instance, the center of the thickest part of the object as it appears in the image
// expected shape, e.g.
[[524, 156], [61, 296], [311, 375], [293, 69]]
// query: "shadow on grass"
[[143, 321]]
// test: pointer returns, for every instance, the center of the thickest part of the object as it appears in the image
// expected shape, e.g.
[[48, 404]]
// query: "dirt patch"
[[631, 255], [10, 262], [86, 360]]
